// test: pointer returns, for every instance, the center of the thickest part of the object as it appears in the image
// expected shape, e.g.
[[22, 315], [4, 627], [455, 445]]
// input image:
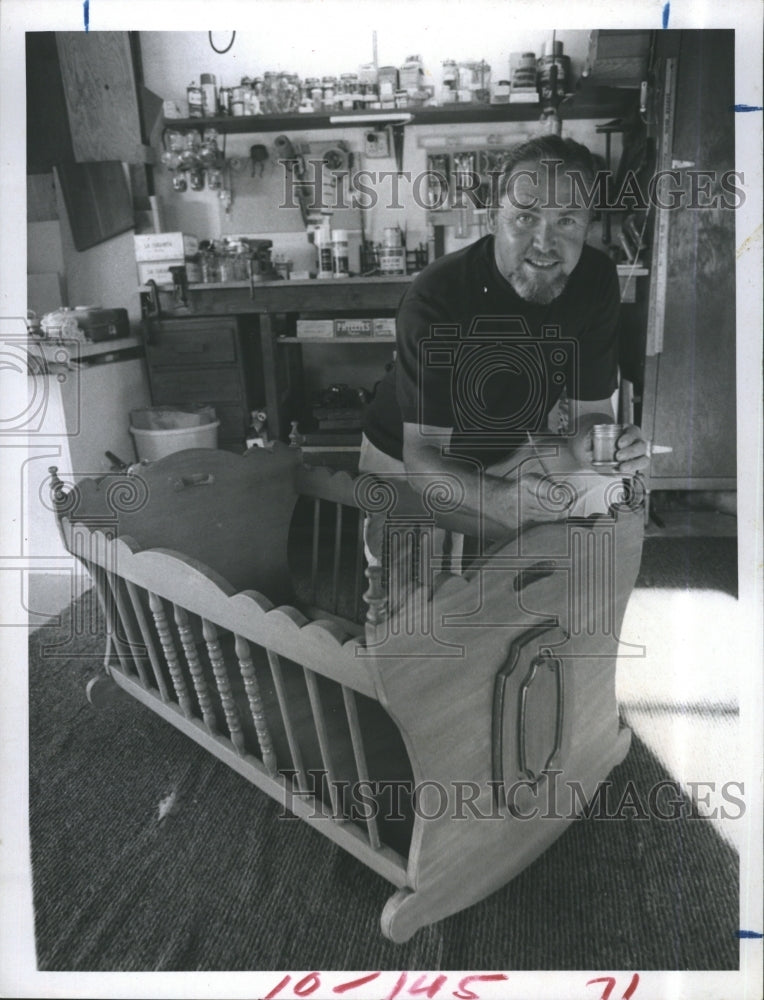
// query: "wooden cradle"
[[446, 740]]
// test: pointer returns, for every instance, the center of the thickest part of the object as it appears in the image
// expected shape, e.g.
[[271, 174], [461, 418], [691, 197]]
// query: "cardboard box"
[[315, 328], [384, 326], [165, 246], [159, 271], [352, 328]]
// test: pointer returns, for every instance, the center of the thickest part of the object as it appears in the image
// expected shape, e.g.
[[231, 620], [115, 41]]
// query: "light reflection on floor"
[[682, 697]]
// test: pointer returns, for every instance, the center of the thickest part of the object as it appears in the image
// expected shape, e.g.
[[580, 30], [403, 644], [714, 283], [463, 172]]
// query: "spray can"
[[340, 260], [324, 248], [209, 95]]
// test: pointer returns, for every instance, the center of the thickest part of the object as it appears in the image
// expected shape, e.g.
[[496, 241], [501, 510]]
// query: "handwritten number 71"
[[610, 986]]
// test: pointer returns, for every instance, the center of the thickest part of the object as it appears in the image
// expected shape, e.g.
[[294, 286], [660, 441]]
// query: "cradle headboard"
[[230, 512]]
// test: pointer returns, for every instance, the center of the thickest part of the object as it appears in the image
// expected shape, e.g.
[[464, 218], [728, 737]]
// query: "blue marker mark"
[[749, 934], [86, 13], [746, 107], [666, 12]]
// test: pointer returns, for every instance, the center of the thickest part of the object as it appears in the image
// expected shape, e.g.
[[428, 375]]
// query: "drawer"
[[196, 385], [192, 342]]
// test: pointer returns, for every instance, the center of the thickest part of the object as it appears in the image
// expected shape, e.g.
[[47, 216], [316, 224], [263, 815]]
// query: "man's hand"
[[539, 498], [632, 453]]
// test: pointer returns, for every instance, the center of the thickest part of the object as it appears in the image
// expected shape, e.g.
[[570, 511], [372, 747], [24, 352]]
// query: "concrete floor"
[[691, 524]]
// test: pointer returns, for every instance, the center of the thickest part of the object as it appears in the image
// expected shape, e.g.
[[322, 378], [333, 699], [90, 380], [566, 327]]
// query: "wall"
[[103, 275], [172, 60]]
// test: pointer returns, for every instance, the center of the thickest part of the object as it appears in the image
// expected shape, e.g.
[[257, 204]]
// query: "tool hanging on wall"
[[286, 154], [258, 155], [336, 158], [397, 128]]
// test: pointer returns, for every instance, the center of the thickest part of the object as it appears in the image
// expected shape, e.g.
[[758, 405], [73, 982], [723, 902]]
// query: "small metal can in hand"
[[604, 441]]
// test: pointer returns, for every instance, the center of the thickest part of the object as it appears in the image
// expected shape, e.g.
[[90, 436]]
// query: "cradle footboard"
[[503, 685], [444, 745]]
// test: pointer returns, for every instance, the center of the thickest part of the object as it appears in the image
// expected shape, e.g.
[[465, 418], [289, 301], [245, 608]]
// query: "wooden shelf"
[[606, 102], [335, 340], [351, 280], [76, 350], [321, 448]]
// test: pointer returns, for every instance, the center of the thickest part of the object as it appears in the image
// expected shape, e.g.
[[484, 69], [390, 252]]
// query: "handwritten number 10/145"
[[419, 987], [306, 986]]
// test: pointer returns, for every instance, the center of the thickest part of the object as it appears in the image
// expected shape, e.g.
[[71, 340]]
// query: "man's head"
[[539, 219]]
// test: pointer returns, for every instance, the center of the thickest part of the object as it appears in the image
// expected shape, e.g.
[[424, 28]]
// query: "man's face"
[[538, 232]]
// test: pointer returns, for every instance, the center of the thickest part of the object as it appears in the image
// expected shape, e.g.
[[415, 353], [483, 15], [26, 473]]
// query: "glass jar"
[[208, 264], [241, 265], [226, 267]]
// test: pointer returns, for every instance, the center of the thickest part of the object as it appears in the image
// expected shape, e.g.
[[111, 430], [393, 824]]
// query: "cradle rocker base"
[[486, 700]]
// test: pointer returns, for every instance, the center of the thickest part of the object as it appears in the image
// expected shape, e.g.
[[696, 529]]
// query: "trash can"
[[162, 430]]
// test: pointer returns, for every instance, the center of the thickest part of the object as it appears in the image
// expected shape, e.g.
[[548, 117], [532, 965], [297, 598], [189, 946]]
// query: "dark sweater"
[[475, 357]]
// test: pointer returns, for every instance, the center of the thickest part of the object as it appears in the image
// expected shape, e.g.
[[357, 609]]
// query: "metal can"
[[604, 441], [392, 260], [195, 101]]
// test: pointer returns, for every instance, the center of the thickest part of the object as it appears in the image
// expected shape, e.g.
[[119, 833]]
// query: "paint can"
[[392, 260], [194, 99]]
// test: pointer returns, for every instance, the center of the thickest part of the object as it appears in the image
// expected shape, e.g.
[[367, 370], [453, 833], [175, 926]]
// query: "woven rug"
[[148, 854]]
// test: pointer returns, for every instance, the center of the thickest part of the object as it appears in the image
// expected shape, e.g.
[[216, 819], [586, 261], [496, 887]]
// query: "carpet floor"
[[148, 854]]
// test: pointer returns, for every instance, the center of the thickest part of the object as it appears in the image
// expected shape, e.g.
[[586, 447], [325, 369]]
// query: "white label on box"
[[159, 271], [384, 326], [352, 327], [315, 328], [164, 246]]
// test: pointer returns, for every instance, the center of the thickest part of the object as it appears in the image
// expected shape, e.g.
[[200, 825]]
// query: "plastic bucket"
[[152, 445]]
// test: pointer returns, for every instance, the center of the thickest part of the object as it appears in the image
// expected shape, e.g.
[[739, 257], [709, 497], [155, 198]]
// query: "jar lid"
[[207, 78]]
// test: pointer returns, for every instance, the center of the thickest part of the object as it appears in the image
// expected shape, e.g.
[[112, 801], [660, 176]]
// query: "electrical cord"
[[221, 52]]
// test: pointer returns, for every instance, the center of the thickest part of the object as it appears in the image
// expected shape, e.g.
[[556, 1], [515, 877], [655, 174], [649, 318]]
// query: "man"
[[490, 336]]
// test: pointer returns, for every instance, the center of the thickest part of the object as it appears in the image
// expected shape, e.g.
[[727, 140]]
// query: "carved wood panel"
[[101, 95]]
